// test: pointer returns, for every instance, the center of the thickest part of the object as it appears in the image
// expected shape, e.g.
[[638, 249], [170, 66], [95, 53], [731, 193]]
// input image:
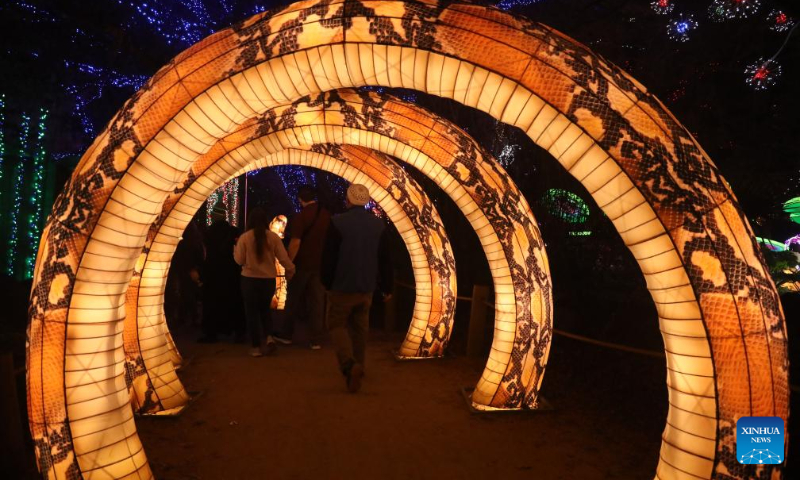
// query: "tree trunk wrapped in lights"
[[719, 312]]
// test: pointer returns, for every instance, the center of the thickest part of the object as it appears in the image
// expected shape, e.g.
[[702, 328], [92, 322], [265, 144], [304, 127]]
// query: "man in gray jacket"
[[355, 262]]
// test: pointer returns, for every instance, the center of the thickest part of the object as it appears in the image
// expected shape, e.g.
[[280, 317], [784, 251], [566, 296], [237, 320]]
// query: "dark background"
[[82, 60]]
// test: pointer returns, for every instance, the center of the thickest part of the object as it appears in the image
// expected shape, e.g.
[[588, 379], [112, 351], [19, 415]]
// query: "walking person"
[[355, 261], [256, 252], [183, 279], [306, 295]]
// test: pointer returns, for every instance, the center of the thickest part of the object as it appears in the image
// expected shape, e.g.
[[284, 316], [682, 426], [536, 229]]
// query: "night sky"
[[82, 60]]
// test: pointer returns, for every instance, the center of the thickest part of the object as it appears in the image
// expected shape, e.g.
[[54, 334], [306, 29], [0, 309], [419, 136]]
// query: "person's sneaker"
[[354, 378], [256, 352], [282, 341], [270, 348], [316, 346]]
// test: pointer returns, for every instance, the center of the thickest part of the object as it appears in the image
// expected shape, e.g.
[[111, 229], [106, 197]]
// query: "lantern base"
[[183, 364], [542, 405], [173, 412]]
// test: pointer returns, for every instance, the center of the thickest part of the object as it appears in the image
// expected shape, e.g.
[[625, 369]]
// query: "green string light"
[[566, 206], [35, 200], [2, 148], [19, 175]]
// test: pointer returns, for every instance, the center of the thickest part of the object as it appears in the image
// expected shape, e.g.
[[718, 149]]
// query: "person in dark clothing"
[[306, 295], [222, 309], [183, 279], [355, 261]]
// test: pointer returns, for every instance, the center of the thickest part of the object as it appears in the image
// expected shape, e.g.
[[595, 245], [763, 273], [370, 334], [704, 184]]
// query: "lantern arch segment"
[[491, 201]]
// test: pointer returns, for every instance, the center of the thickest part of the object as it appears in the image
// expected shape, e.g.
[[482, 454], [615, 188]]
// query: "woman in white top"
[[256, 252]]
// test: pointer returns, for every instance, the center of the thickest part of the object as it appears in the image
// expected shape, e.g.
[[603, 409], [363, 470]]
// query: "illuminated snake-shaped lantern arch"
[[474, 180], [719, 312], [401, 198], [490, 200]]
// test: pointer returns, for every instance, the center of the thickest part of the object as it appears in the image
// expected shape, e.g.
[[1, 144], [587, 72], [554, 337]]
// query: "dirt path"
[[289, 417]]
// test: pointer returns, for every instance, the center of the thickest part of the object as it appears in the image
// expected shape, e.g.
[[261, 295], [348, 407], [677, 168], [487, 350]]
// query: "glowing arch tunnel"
[[491, 202], [405, 204], [719, 312]]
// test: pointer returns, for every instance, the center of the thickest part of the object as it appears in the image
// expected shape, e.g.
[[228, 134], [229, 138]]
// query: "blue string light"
[[292, 177], [19, 174], [509, 4], [111, 77], [81, 102], [173, 24], [37, 14], [92, 89]]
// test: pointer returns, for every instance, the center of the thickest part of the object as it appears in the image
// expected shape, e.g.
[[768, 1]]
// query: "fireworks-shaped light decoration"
[[662, 7], [762, 74], [679, 29], [779, 21], [792, 241], [721, 10]]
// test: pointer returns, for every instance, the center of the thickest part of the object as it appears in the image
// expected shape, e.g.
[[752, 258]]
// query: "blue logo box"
[[759, 440]]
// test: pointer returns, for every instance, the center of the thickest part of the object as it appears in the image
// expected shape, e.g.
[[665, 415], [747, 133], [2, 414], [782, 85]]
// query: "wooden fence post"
[[477, 320]]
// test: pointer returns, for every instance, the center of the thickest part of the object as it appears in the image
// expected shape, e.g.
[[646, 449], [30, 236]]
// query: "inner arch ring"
[[402, 199]]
